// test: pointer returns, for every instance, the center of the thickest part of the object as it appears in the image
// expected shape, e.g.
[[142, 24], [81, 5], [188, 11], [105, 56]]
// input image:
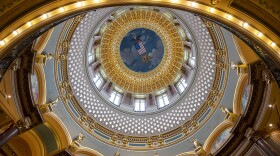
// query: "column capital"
[[253, 135], [23, 124]]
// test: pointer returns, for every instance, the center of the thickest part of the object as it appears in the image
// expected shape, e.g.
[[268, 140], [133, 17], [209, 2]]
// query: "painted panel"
[[35, 87], [141, 50], [221, 139], [245, 96]]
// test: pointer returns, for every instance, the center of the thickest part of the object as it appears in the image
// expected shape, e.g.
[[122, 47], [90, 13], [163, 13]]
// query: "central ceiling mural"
[[141, 50]]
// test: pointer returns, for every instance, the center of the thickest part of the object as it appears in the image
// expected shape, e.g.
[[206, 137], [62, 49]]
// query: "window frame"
[[99, 79], [113, 100], [164, 98], [140, 102], [181, 84]]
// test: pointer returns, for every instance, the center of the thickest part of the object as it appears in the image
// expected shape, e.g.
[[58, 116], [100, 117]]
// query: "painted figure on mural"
[[141, 50]]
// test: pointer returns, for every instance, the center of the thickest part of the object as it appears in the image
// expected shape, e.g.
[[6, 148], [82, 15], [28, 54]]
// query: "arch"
[[237, 99], [84, 151], [19, 146], [220, 14], [216, 132], [33, 141], [62, 135]]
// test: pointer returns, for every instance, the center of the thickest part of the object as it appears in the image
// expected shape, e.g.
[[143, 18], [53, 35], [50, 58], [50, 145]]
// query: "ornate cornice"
[[8, 59], [267, 58], [17, 8], [262, 11]]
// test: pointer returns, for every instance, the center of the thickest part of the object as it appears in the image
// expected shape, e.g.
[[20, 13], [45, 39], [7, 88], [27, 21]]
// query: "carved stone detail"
[[48, 107], [214, 2], [198, 148], [229, 115], [76, 143]]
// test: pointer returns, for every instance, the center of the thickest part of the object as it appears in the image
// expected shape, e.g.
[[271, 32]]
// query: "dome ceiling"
[[102, 33], [142, 82]]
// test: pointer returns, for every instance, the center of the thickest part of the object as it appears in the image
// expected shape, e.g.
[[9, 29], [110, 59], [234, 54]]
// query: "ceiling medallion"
[[156, 72]]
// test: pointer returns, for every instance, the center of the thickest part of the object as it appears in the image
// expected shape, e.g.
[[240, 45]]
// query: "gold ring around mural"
[[151, 81]]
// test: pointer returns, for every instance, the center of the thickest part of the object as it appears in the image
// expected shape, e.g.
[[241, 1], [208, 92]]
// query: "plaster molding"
[[41, 42], [237, 108], [59, 128], [215, 133], [34, 141]]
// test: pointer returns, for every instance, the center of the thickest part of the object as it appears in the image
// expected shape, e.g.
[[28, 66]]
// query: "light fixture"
[[29, 24], [212, 10], [229, 17], [61, 9], [260, 34], [2, 43], [96, 1], [270, 106], [79, 4], [245, 24], [270, 125], [273, 44], [15, 32], [9, 96], [45, 16], [193, 4]]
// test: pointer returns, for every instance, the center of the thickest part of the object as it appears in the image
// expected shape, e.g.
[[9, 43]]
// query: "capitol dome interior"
[[141, 78]]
